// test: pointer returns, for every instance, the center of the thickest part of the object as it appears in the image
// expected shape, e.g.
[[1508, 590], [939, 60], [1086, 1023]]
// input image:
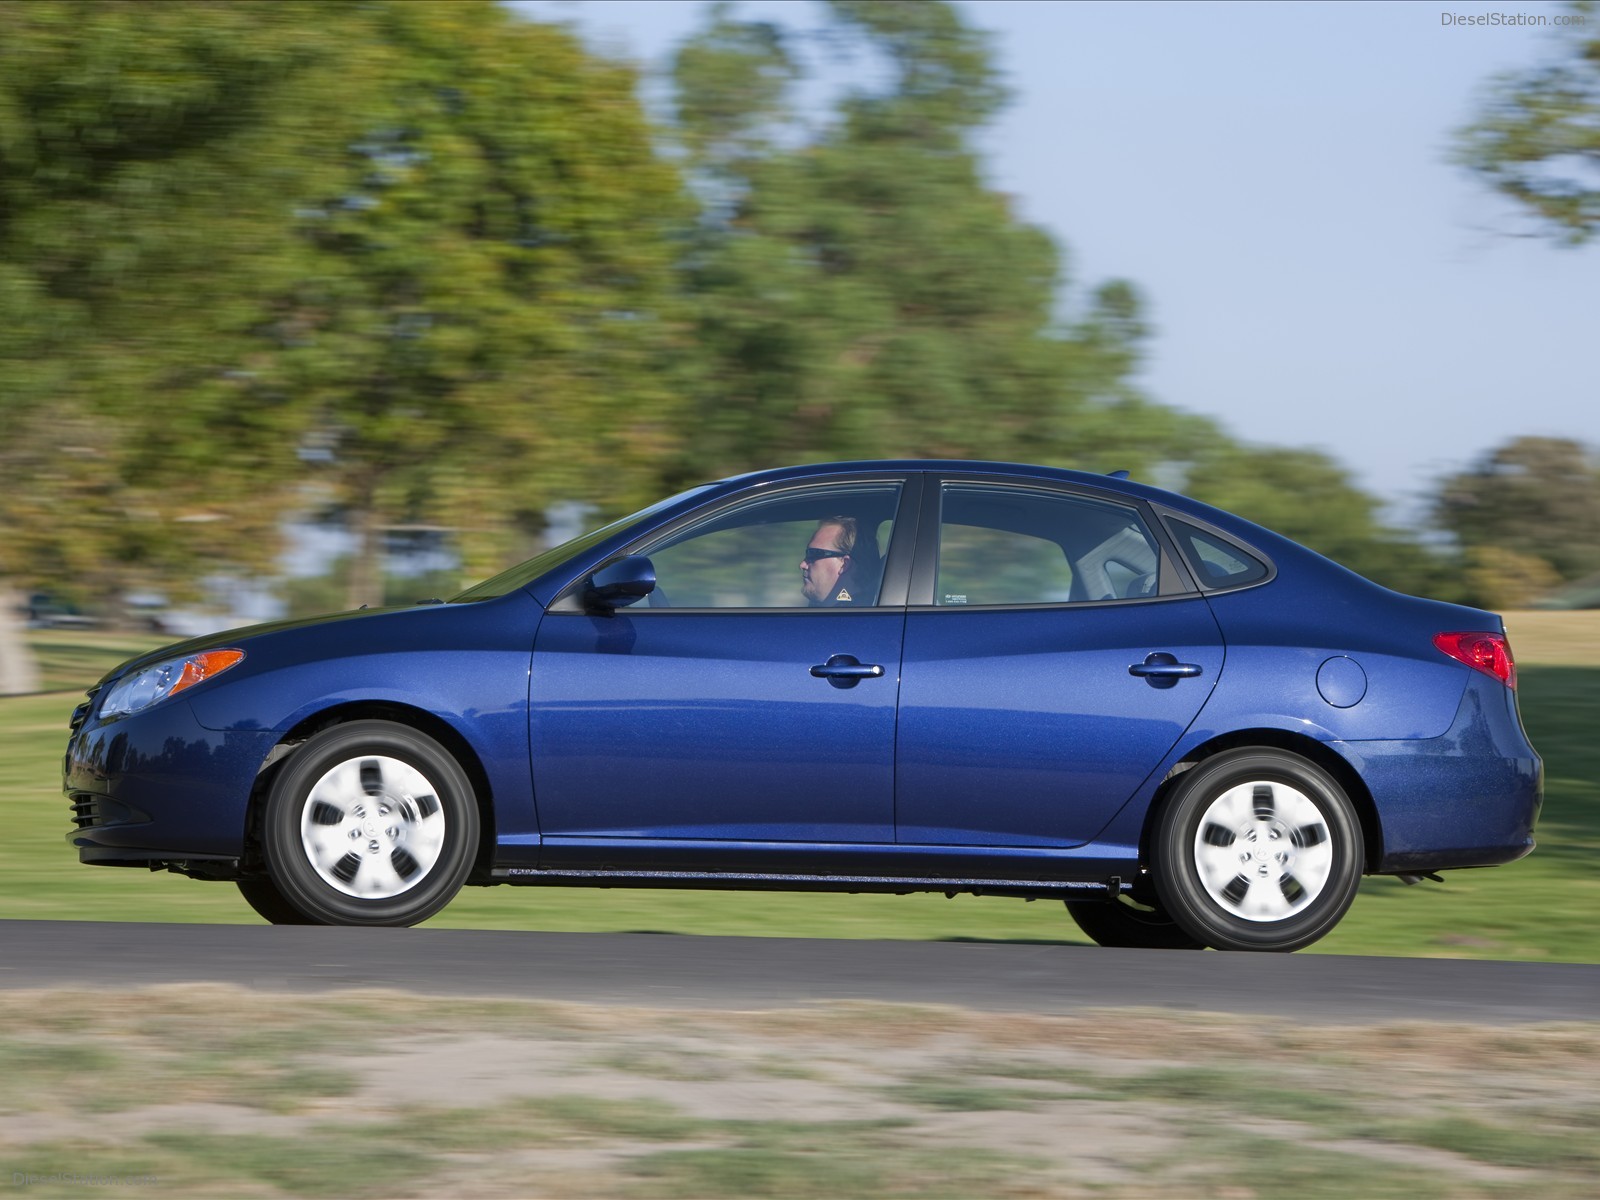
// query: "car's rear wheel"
[[1126, 923], [1257, 849], [370, 823]]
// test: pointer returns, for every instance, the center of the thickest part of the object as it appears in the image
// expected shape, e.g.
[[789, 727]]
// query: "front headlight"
[[154, 684]]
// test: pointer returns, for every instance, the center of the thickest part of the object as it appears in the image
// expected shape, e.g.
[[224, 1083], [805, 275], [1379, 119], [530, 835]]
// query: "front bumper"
[[157, 787]]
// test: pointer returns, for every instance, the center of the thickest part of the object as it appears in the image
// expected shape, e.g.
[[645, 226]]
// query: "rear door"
[[1054, 653]]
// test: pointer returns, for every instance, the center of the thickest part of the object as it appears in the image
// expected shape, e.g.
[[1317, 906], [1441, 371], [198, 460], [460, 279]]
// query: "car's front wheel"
[[1124, 922], [370, 823], [1257, 849], [263, 895]]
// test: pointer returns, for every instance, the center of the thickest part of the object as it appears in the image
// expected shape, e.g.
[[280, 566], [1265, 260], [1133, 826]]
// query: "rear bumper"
[[1470, 798]]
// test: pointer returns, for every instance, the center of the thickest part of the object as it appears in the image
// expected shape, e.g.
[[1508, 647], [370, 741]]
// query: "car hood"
[[242, 636]]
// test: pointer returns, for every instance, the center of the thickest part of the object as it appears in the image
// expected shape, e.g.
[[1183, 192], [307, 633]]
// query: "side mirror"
[[621, 583]]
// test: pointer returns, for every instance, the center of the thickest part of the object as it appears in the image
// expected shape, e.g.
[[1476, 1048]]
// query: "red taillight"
[[1486, 652]]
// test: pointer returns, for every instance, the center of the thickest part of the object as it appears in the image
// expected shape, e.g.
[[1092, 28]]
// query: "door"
[[1020, 722], [750, 698]]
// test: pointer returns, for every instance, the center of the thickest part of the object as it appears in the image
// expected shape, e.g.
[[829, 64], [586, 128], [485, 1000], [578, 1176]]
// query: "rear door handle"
[[845, 670], [1163, 670]]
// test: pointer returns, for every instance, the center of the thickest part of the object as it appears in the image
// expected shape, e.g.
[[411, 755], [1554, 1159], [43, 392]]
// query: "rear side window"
[[1009, 545], [1216, 562]]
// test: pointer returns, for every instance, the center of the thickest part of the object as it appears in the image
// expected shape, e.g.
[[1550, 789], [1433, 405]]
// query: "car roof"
[[808, 470], [1115, 484]]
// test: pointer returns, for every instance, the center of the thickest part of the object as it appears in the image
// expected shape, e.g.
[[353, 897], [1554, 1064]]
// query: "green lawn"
[[1541, 908]]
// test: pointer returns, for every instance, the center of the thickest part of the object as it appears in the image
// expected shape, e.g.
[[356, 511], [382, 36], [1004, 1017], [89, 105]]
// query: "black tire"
[[1257, 849], [261, 895], [370, 823], [1122, 922]]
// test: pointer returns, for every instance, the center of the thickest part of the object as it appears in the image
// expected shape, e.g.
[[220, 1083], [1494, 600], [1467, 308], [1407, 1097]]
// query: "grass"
[[1571, 1149], [1541, 908], [824, 1160]]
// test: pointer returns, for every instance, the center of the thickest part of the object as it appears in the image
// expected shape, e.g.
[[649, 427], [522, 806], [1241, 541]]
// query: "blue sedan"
[[856, 677]]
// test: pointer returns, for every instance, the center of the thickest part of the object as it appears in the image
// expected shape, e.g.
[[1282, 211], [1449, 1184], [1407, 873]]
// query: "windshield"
[[525, 573]]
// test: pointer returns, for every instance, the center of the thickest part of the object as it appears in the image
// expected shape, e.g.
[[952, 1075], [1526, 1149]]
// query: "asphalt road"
[[664, 970]]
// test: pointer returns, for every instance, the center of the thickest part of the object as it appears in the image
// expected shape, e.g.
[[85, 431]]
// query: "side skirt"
[[1078, 889]]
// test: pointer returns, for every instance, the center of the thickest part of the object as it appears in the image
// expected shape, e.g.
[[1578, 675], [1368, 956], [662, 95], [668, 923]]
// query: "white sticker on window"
[[950, 598]]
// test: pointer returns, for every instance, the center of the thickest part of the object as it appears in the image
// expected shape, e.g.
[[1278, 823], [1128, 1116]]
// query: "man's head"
[[826, 558]]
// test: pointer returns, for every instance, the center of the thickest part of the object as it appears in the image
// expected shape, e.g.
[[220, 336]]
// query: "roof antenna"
[[1116, 474]]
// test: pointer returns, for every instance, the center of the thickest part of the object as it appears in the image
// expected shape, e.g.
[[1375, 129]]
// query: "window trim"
[[1227, 539], [896, 568], [1174, 579]]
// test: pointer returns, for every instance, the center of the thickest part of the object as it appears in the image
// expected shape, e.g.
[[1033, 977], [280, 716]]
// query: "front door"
[[750, 699]]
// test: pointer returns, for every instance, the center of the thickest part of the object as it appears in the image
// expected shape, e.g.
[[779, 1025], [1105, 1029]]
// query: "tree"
[[1500, 578], [1537, 135], [410, 259], [1307, 496], [145, 156], [1535, 496], [487, 324], [860, 291]]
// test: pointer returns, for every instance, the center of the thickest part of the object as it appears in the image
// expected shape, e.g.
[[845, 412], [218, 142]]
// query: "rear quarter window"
[[1216, 561]]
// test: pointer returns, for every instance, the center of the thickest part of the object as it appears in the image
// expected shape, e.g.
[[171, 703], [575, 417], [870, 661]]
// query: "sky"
[[1275, 179]]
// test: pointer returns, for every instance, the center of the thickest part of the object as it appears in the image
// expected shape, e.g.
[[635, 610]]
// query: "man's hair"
[[846, 538]]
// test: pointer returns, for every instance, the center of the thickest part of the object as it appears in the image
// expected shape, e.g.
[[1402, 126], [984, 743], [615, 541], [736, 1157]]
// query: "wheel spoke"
[[1291, 889], [323, 813], [347, 868], [1263, 802], [404, 865], [1313, 834]]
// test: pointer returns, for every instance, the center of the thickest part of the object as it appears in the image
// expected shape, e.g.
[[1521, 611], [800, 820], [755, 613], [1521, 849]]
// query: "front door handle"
[[845, 670], [1163, 670]]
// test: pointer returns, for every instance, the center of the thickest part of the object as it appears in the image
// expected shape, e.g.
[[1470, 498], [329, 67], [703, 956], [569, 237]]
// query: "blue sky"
[[1274, 178]]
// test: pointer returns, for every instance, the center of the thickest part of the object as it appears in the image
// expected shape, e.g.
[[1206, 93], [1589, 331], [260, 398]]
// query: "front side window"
[[816, 547], [1011, 545], [526, 572]]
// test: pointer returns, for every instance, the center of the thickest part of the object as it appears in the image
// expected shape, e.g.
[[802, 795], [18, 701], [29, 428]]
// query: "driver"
[[832, 573]]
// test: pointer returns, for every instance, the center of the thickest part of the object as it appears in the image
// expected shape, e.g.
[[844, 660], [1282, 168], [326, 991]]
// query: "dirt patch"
[[383, 1094]]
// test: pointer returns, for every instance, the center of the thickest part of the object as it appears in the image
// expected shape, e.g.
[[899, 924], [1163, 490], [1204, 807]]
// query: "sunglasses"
[[817, 554]]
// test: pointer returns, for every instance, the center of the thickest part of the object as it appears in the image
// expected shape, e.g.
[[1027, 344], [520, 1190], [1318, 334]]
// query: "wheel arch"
[[418, 719], [1276, 739]]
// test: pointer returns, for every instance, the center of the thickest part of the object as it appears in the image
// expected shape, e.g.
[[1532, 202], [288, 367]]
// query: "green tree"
[[860, 291], [1535, 496], [488, 323], [1499, 578], [1305, 495], [145, 155], [411, 259], [1536, 138]]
